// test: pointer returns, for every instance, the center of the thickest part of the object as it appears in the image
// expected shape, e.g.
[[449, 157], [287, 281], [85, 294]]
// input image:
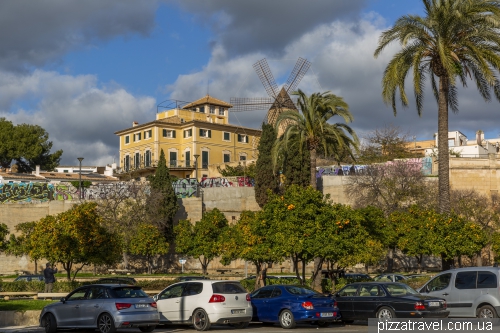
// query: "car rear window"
[[299, 291], [228, 288], [128, 292]]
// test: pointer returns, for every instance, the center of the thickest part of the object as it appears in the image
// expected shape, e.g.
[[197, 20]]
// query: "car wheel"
[[486, 311], [240, 325], [106, 324], [286, 319], [147, 328], [200, 320], [323, 323], [50, 323], [385, 313]]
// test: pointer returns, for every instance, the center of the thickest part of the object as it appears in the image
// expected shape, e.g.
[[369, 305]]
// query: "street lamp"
[[196, 172], [80, 182]]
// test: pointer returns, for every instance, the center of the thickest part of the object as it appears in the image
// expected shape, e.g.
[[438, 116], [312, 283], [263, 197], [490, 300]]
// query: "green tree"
[[238, 171], [296, 164], [204, 239], [162, 201], [150, 242], [75, 237], [265, 175], [20, 245], [4, 231], [312, 128], [455, 39]]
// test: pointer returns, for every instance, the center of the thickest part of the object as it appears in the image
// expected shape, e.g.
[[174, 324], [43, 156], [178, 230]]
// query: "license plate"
[[140, 306], [326, 314], [237, 311], [433, 303]]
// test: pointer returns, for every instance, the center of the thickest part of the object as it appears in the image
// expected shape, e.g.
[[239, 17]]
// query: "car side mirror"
[[337, 295], [155, 298], [63, 299]]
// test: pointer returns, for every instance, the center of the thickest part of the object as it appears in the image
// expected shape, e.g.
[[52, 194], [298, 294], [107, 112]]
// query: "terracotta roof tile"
[[207, 100]]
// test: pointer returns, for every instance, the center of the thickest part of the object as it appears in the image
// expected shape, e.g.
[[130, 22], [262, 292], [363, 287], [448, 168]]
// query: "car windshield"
[[399, 289], [300, 291], [129, 292]]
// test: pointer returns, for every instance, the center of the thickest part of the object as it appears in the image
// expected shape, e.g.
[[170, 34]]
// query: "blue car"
[[288, 305]]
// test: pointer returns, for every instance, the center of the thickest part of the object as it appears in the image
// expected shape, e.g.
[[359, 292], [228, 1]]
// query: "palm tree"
[[456, 39], [312, 130]]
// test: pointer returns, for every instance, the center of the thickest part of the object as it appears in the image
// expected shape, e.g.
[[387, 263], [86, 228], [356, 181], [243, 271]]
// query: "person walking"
[[48, 274]]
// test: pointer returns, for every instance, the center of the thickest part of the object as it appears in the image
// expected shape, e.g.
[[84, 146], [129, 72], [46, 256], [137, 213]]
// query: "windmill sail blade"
[[250, 104], [300, 69], [266, 77]]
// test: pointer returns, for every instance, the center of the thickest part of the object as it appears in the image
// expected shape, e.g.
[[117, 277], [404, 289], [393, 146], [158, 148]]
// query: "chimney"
[[135, 123], [37, 170]]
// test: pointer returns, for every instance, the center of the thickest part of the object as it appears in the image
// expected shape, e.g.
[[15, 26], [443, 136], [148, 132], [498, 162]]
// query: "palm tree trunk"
[[313, 167], [443, 150]]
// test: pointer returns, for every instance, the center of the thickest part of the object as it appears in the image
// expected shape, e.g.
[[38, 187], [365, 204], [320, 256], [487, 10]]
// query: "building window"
[[242, 138], [188, 159], [221, 111], [127, 140], [227, 136], [137, 137], [147, 158], [204, 159], [168, 133], [137, 160], [202, 109], [188, 133], [243, 157], [212, 109], [173, 159], [148, 134], [204, 133], [126, 163], [227, 158]]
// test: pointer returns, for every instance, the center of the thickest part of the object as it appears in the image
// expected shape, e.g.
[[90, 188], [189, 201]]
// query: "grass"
[[23, 305]]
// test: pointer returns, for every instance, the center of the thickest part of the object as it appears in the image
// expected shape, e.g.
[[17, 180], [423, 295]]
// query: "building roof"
[[92, 177], [21, 176], [207, 100]]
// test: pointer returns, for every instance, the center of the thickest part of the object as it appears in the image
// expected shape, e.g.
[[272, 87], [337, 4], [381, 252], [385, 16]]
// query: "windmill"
[[278, 100]]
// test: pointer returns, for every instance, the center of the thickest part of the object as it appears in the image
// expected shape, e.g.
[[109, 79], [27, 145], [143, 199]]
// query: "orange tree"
[[74, 237], [204, 239], [148, 241]]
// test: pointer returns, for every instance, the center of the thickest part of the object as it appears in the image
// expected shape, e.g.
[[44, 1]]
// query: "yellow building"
[[198, 131]]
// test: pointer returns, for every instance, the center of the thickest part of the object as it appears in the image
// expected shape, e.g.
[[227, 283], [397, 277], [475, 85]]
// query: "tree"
[[312, 129], [296, 164], [238, 171], [265, 176], [75, 237], [455, 39], [385, 144], [27, 145], [20, 245], [204, 239], [4, 231], [148, 241], [162, 201]]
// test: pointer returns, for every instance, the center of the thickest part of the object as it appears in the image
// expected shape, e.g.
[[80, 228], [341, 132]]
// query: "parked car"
[[191, 278], [387, 300], [358, 277], [203, 303], [390, 277], [29, 278], [417, 276], [117, 280], [470, 292], [288, 305], [102, 306]]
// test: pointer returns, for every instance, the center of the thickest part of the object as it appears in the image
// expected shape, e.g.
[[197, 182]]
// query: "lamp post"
[[196, 172], [80, 181]]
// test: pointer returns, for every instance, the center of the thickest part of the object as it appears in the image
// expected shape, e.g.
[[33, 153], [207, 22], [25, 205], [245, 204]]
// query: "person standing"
[[48, 274]]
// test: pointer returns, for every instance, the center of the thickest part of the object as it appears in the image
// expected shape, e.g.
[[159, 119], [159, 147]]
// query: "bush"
[[158, 284]]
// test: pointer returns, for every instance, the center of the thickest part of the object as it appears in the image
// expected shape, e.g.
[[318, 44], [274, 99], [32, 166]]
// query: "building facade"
[[195, 138]]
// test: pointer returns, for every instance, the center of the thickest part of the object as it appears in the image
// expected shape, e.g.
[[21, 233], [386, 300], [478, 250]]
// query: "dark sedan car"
[[387, 300], [288, 305]]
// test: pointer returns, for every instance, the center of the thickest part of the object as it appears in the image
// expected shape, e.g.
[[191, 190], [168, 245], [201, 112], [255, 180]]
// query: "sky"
[[85, 69]]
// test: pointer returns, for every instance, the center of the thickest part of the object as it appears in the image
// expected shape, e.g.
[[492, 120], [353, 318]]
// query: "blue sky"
[[83, 70]]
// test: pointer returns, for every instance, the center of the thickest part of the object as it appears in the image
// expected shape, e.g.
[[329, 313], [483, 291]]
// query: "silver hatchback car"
[[102, 306]]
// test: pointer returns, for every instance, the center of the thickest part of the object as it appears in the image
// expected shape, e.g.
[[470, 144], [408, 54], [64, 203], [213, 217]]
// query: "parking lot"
[[253, 328]]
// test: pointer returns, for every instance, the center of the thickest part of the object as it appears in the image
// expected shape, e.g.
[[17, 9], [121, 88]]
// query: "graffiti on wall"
[[26, 192], [186, 187]]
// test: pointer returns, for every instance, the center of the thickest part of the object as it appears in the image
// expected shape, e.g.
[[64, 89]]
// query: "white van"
[[469, 292]]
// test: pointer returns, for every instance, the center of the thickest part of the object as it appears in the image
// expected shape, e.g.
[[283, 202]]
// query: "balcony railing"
[[170, 164]]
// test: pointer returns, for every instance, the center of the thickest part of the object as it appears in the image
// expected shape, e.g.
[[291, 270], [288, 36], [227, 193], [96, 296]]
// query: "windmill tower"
[[278, 100]]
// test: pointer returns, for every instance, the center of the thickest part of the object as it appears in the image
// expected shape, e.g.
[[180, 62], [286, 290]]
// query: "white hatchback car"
[[203, 303]]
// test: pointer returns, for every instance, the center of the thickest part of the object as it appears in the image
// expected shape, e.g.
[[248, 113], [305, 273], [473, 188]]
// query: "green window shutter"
[[173, 133], [201, 132], [139, 136], [150, 133], [127, 139], [209, 133], [164, 133]]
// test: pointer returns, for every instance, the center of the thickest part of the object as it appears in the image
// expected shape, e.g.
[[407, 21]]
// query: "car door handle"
[[77, 306], [445, 294], [177, 302], [96, 306]]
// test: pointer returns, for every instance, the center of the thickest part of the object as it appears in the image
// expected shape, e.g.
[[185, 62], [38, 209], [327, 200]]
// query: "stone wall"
[[479, 174]]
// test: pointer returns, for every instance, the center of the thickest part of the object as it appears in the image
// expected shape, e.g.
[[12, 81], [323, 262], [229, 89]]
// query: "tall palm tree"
[[311, 128], [455, 40]]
